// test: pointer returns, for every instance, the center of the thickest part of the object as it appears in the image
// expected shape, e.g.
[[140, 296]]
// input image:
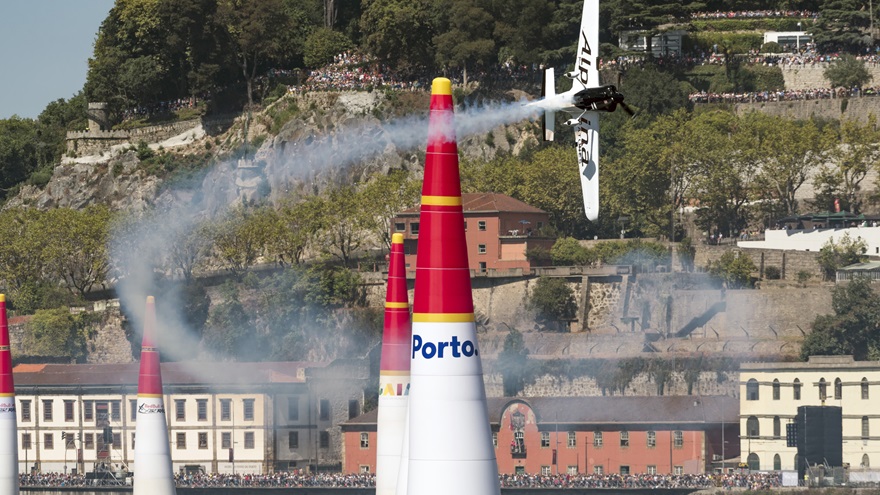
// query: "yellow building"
[[770, 394], [222, 417]]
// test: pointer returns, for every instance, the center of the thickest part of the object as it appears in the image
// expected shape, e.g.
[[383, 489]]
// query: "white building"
[[662, 44], [788, 38], [770, 394], [272, 416], [815, 239]]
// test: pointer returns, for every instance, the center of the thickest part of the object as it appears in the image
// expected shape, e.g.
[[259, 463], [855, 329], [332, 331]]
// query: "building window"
[[25, 411], [481, 225], [203, 440], [47, 410], [483, 267], [481, 248], [89, 439], [866, 461], [775, 389], [572, 440], [225, 440], [225, 409], [864, 389], [180, 409], [572, 470], [48, 441], [866, 432], [117, 440], [133, 438], [181, 441], [823, 389], [777, 427], [26, 441], [365, 469], [598, 469], [796, 389], [752, 389], [249, 440], [293, 440], [324, 410], [465, 225], [202, 409], [68, 410], [324, 439], [248, 409], [545, 470], [69, 440], [677, 439], [88, 410], [115, 410], [752, 428], [545, 439], [754, 462], [133, 407], [838, 389], [495, 439], [652, 469], [678, 470], [597, 439], [624, 439], [354, 408], [777, 463], [624, 470], [399, 227], [414, 228], [652, 439], [293, 408], [365, 440]]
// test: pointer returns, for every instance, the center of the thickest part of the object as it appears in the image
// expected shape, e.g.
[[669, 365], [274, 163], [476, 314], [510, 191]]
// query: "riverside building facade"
[[222, 417], [770, 394]]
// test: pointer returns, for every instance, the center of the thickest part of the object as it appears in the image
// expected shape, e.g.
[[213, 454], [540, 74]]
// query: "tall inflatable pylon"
[[393, 373], [8, 426], [450, 442], [152, 456]]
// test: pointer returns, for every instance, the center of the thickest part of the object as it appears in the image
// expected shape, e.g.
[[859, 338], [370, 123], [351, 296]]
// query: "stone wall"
[[82, 143], [790, 263], [642, 385], [835, 108], [813, 76]]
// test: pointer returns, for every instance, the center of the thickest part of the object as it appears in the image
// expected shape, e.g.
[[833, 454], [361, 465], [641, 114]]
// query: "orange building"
[[499, 230], [581, 435]]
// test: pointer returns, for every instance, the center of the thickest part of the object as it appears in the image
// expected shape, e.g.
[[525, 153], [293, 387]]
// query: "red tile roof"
[[177, 373]]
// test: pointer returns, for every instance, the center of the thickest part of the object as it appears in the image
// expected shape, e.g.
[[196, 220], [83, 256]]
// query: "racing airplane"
[[583, 102]]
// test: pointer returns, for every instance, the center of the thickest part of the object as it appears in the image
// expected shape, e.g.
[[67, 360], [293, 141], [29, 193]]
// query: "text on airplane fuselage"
[[585, 60], [582, 138]]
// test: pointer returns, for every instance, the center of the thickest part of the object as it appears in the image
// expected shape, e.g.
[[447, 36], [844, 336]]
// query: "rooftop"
[[489, 203]]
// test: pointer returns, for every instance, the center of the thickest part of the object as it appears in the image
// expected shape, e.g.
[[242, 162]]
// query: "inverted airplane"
[[583, 102]]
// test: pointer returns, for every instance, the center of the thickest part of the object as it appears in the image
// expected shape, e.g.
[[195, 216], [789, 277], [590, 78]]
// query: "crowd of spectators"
[[751, 14], [782, 95], [754, 481], [353, 71], [161, 108]]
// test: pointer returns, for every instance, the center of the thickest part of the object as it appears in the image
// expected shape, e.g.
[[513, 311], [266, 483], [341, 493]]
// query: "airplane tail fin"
[[548, 89]]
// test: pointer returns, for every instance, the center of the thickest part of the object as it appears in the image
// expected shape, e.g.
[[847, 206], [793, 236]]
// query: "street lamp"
[[799, 38]]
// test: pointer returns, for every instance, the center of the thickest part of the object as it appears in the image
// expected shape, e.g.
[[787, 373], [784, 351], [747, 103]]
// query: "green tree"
[[241, 237], [568, 251], [322, 45], [296, 226], [554, 301], [384, 197], [847, 72], [18, 153], [842, 26], [653, 91], [75, 250], [845, 252], [734, 269], [513, 363], [468, 40], [229, 331], [853, 328], [856, 154], [57, 332], [520, 28], [345, 223], [399, 32]]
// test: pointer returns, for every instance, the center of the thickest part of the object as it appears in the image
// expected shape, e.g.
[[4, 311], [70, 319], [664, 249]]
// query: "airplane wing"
[[586, 132]]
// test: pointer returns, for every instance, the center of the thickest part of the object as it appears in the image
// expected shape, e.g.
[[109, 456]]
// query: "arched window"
[[796, 387], [754, 462], [752, 389], [777, 463], [752, 429], [866, 431], [777, 427], [775, 389], [796, 461], [864, 389], [838, 389], [823, 389], [866, 462]]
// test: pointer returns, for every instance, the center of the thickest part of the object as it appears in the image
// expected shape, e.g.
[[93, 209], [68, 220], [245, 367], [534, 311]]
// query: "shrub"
[[772, 273], [553, 300]]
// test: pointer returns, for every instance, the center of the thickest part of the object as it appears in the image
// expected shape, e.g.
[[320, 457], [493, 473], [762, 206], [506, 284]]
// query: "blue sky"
[[44, 50]]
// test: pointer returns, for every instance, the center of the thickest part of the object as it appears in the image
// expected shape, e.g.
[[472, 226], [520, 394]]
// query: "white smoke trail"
[[138, 252]]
